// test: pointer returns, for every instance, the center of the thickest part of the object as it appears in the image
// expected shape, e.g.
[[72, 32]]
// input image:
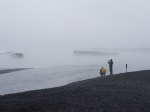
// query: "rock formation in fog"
[[17, 55], [76, 52]]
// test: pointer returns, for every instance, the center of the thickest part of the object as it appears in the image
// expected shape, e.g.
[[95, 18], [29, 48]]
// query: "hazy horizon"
[[76, 24]]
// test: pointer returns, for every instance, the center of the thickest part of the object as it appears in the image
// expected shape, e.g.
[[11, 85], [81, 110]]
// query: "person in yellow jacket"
[[102, 71]]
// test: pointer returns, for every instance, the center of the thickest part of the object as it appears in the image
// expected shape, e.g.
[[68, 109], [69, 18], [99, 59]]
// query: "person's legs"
[[110, 68]]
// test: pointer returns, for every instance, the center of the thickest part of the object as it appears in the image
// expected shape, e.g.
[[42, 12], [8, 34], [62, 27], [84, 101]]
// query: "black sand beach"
[[101, 94]]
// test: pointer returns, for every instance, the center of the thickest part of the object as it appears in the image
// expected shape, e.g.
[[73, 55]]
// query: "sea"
[[135, 59], [53, 68]]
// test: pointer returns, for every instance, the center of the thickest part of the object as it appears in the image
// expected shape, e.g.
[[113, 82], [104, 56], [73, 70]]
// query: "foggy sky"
[[74, 24]]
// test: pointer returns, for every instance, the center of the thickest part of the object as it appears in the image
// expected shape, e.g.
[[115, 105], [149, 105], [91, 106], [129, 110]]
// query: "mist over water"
[[136, 60], [48, 31]]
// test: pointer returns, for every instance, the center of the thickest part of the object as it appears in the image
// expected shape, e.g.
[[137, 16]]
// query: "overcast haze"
[[47, 32], [74, 24]]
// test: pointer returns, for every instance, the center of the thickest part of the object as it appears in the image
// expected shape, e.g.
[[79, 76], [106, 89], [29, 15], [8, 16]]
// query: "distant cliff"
[[76, 52]]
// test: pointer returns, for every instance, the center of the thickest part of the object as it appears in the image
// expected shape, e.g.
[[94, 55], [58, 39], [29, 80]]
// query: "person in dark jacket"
[[110, 62]]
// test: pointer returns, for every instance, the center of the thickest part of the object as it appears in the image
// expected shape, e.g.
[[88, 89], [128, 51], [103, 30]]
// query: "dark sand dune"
[[99, 94]]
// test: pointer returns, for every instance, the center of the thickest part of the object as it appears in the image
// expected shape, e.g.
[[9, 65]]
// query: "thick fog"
[[74, 24], [44, 30], [47, 32]]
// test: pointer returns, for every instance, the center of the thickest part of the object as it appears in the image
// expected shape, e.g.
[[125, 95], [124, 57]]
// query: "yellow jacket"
[[103, 70]]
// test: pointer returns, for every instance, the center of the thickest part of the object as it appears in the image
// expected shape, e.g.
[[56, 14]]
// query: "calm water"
[[41, 59], [61, 67]]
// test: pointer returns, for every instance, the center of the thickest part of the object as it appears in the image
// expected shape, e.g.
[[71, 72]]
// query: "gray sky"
[[74, 24]]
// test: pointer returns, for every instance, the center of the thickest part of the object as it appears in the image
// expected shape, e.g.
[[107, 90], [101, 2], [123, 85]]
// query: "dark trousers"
[[111, 70]]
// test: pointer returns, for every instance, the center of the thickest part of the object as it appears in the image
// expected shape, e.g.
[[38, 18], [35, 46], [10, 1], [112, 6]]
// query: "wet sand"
[[101, 94], [4, 71]]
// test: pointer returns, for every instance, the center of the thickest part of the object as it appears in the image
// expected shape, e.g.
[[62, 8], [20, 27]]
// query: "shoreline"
[[4, 71], [108, 93]]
